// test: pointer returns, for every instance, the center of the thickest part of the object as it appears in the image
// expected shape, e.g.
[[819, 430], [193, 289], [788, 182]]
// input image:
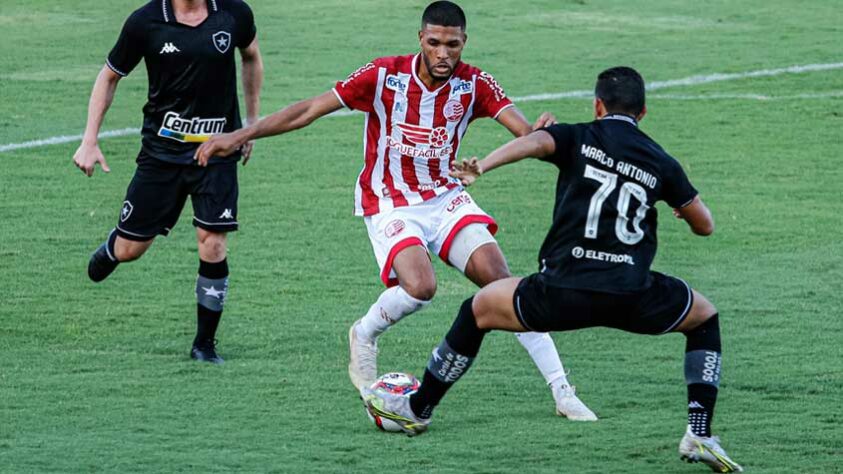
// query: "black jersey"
[[603, 235], [192, 74]]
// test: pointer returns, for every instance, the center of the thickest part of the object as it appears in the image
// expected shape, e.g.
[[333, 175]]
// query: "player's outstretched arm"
[[89, 154], [537, 144], [698, 217], [294, 117], [252, 77], [515, 121]]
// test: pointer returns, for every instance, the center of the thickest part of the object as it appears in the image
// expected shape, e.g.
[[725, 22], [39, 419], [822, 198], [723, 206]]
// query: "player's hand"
[[467, 171], [545, 120], [246, 151], [677, 214], [218, 145], [87, 156]]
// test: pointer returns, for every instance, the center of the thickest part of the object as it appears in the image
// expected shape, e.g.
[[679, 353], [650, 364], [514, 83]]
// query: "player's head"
[[619, 90], [442, 37]]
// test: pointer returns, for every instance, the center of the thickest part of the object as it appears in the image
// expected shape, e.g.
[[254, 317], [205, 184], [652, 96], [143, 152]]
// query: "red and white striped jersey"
[[412, 134]]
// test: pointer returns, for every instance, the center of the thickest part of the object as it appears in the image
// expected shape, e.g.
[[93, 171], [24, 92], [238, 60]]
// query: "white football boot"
[[395, 408], [569, 405], [695, 448], [363, 360]]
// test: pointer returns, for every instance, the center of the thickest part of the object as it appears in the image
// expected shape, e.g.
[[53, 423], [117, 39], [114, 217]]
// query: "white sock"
[[544, 354], [392, 305]]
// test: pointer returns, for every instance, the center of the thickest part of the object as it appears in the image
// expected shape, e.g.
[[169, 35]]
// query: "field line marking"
[[653, 86]]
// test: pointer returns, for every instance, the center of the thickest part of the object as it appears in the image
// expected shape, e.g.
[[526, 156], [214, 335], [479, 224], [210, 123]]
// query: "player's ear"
[[599, 108], [642, 114], [464, 38]]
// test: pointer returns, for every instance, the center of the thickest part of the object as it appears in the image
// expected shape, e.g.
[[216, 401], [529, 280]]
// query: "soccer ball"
[[394, 383]]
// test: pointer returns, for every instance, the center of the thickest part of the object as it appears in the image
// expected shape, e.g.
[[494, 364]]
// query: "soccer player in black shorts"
[[595, 261], [188, 47]]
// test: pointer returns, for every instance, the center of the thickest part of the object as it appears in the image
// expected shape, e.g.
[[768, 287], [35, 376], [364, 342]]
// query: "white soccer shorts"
[[431, 224]]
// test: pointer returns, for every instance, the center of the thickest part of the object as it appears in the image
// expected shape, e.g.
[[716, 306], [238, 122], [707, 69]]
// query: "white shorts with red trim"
[[431, 224]]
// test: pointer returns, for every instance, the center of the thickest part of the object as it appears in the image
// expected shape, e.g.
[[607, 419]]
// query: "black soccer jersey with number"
[[192, 74], [611, 175]]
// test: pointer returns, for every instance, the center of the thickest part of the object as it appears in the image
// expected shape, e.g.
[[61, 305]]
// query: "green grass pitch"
[[96, 378]]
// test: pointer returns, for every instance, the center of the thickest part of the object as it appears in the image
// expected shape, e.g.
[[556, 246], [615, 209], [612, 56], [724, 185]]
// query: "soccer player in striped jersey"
[[417, 109]]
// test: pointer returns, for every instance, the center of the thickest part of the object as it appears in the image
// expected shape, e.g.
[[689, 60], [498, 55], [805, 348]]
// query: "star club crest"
[[126, 211], [222, 41]]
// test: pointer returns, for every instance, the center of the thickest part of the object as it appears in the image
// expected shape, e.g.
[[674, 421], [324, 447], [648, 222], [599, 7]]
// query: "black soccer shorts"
[[656, 310], [158, 191]]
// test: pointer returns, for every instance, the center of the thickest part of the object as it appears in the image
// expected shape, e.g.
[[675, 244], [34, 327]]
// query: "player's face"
[[441, 49]]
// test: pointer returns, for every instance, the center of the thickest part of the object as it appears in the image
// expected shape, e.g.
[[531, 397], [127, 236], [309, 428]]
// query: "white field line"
[[655, 85]]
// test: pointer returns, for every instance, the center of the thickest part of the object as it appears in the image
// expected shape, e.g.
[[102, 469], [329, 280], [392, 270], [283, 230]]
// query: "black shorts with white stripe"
[[159, 190], [657, 310]]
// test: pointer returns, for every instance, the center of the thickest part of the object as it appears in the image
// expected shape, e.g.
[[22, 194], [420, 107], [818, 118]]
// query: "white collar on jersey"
[[167, 9], [421, 84], [621, 117]]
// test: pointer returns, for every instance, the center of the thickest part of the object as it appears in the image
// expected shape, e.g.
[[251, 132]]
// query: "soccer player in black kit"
[[594, 263], [188, 47]]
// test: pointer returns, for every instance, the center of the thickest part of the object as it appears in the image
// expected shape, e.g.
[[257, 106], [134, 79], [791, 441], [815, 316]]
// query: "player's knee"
[[212, 246], [703, 308], [484, 312], [129, 251], [420, 289]]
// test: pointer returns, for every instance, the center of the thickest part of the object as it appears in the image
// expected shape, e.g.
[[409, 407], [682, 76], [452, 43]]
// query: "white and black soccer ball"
[[395, 383]]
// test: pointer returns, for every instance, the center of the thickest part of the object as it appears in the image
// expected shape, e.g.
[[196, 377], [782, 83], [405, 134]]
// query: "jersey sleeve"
[[357, 92], [564, 136], [128, 51], [246, 29], [677, 189], [490, 99]]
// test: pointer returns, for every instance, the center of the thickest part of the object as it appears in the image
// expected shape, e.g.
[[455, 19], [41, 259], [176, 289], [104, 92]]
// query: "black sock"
[[211, 290], [702, 374], [449, 362]]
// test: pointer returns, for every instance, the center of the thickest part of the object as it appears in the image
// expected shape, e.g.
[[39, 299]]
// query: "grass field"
[[96, 377]]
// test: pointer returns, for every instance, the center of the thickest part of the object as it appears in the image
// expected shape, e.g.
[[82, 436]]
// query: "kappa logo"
[[394, 228], [435, 137], [169, 48], [226, 214], [453, 110], [222, 41], [126, 211]]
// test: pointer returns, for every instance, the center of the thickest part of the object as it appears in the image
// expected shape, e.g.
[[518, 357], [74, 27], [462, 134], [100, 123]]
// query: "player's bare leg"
[[112, 252], [702, 374], [486, 264], [416, 287], [211, 290]]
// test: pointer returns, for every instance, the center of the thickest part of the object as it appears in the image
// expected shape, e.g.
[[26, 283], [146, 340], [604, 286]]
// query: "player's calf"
[[103, 261], [211, 291], [449, 362], [112, 252], [392, 306]]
